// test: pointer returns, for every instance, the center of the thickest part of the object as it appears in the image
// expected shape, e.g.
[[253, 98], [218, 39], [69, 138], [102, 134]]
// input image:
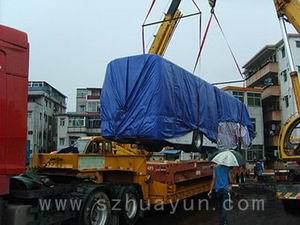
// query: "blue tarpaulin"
[[149, 97]]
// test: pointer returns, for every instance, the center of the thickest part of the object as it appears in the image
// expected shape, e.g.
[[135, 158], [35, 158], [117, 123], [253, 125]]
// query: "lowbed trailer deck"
[[160, 181]]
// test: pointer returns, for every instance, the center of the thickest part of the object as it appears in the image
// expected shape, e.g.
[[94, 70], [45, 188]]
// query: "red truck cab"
[[14, 59]]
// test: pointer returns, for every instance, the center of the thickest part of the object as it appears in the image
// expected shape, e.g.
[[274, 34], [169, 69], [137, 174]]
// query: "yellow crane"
[[289, 143], [166, 29]]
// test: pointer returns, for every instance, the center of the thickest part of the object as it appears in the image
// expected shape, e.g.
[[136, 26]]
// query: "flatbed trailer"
[[159, 181], [124, 184]]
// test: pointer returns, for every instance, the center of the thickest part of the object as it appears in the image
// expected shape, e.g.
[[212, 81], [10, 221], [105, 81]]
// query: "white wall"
[[62, 130], [257, 113], [286, 86]]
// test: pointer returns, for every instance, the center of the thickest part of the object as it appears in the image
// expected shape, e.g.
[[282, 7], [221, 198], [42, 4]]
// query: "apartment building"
[[87, 99], [252, 98], [84, 122], [44, 102], [269, 70], [288, 105]]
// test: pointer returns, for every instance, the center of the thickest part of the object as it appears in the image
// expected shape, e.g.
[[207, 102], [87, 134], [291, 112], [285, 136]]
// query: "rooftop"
[[38, 85], [260, 56], [265, 53]]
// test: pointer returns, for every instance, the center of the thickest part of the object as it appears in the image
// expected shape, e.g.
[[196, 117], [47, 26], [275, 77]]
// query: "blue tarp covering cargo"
[[149, 97]]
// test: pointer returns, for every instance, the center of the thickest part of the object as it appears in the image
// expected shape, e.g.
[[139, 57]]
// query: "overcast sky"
[[71, 41]]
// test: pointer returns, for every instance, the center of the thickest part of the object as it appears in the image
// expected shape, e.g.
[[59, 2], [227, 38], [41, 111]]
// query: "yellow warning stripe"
[[288, 195]]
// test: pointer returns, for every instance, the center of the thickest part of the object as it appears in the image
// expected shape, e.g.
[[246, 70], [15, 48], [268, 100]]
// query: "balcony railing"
[[77, 130], [257, 77], [270, 91], [93, 131], [93, 97]]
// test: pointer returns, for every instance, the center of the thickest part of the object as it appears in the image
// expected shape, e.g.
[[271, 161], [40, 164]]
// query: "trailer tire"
[[290, 206], [197, 140], [97, 209], [130, 205]]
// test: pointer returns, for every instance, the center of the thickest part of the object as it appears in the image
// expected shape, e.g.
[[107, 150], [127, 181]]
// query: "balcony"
[[93, 97], [271, 91], [256, 78], [77, 130], [94, 131], [272, 116], [271, 141]]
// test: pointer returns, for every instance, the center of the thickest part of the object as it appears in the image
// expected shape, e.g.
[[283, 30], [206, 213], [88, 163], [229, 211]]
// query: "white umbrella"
[[229, 158]]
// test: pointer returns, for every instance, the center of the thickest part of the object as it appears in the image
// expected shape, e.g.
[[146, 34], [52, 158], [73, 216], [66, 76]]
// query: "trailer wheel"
[[290, 206], [130, 206], [197, 141], [97, 209]]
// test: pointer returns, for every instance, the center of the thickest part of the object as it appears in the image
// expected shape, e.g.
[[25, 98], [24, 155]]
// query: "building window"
[[298, 69], [40, 116], [239, 95], [253, 121], [298, 44], [81, 93], [254, 99], [61, 141], [93, 106], [286, 100], [77, 121], [30, 132], [29, 115], [255, 152], [282, 52], [62, 122], [94, 123], [82, 108], [284, 74]]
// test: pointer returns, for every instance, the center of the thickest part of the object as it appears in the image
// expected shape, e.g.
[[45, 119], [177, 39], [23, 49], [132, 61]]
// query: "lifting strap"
[[203, 42], [228, 45], [213, 15], [143, 30]]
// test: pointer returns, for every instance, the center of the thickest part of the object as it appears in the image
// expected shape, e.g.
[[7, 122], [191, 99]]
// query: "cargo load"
[[149, 98]]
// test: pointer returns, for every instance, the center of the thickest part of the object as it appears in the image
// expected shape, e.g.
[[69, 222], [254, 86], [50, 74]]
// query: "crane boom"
[[166, 29], [288, 142], [290, 9]]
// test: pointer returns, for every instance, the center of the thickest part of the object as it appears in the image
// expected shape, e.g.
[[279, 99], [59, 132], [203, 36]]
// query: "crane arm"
[[290, 9], [166, 29], [288, 142]]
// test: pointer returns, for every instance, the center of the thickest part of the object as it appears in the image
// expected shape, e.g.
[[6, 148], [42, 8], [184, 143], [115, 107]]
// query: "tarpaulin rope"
[[143, 30], [228, 45], [203, 41]]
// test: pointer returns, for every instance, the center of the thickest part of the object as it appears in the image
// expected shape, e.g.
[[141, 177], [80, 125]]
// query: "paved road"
[[273, 213]]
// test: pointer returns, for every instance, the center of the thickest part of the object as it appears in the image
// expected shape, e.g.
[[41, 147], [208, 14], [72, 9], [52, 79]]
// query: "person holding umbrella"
[[222, 180]]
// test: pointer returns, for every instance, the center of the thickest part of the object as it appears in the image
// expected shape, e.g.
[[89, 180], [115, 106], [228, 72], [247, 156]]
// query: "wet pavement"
[[270, 212]]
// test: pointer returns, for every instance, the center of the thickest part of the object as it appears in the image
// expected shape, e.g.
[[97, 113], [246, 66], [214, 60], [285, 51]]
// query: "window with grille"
[[254, 99], [239, 95]]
